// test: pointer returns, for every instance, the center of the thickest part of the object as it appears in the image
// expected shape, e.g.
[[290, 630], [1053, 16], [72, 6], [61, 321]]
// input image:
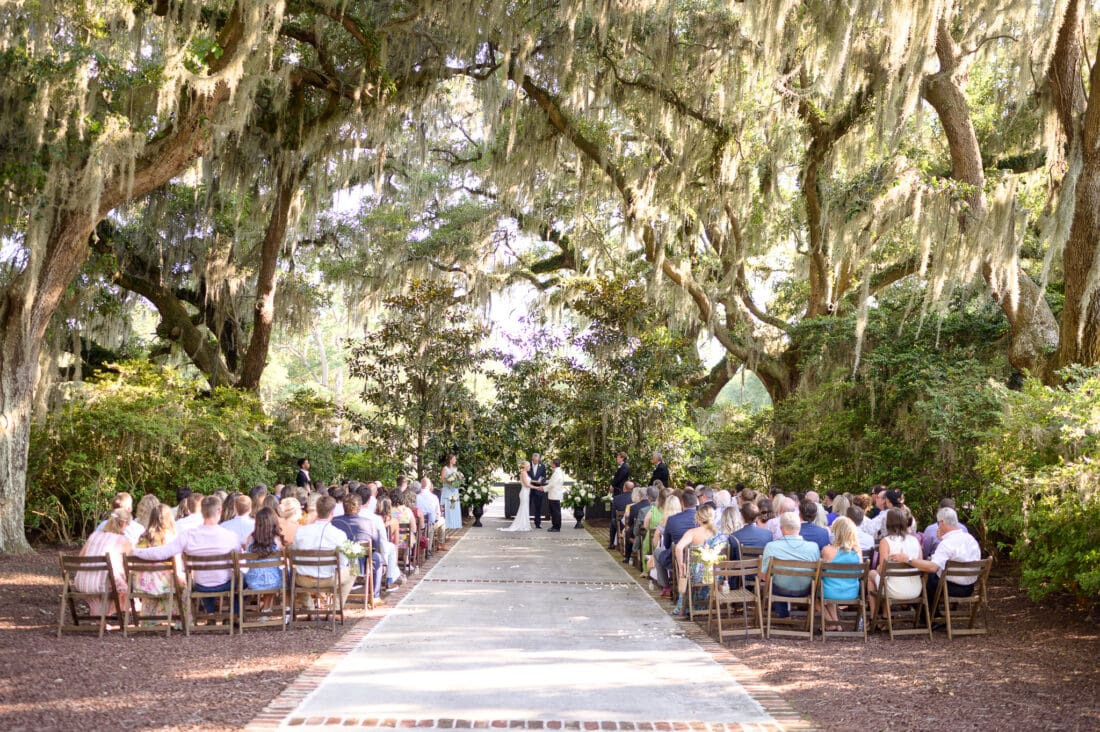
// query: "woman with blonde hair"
[[146, 506], [160, 530], [843, 549], [110, 541], [705, 538], [291, 511]]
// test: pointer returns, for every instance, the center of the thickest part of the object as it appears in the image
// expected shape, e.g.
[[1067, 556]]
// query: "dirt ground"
[[1038, 670]]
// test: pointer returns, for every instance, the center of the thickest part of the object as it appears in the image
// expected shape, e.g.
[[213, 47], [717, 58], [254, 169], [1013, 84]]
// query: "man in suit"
[[303, 479], [660, 471], [622, 474], [536, 502], [675, 528], [618, 508], [809, 530], [555, 490], [632, 522]]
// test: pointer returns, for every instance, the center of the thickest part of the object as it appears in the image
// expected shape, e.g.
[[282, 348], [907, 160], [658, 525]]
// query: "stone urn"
[[578, 514], [479, 511]]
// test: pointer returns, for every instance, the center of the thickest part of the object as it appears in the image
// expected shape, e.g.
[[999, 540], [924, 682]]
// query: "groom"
[[537, 474], [555, 491]]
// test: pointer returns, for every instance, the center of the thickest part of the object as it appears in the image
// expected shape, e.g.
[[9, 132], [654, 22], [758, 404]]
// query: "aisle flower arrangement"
[[580, 495], [476, 493], [353, 551]]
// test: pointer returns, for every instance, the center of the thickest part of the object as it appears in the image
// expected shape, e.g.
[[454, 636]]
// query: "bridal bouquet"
[[477, 493], [352, 551], [581, 495]]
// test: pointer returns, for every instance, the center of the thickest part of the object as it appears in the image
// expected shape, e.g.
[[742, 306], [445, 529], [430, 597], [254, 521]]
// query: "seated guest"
[[820, 516], [229, 504], [160, 530], [633, 521], [618, 509], [839, 508], [753, 533], [855, 515], [291, 512], [242, 524], [844, 549], [730, 521], [321, 534], [789, 546], [360, 528], [265, 540], [931, 537], [898, 545], [206, 539], [190, 514], [705, 535], [182, 492], [428, 503], [385, 513], [810, 531], [257, 493], [124, 502], [653, 520], [782, 504], [955, 543], [675, 528], [706, 496], [110, 541], [272, 501], [338, 494], [145, 508]]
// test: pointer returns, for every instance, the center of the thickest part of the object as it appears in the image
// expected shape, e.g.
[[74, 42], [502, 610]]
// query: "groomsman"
[[622, 474], [660, 471], [537, 501]]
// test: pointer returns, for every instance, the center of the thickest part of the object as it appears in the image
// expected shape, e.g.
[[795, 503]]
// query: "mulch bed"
[[208, 682]]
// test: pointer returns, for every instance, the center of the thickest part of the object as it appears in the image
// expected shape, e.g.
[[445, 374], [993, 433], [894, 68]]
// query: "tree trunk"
[[263, 318], [1033, 328], [1080, 331]]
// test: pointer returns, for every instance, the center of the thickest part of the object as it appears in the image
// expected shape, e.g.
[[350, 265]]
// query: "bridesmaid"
[[448, 478]]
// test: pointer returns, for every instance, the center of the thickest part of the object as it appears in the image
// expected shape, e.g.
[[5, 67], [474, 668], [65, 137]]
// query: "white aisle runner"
[[520, 627]]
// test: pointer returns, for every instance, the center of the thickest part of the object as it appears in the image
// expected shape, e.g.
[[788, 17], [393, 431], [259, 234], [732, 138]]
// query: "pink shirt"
[[202, 541]]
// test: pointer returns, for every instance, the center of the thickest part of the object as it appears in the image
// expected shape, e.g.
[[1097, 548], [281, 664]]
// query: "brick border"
[[764, 693], [570, 725], [283, 705]]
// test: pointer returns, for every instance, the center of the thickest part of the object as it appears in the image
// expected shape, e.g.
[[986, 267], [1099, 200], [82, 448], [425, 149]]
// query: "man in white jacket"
[[555, 490]]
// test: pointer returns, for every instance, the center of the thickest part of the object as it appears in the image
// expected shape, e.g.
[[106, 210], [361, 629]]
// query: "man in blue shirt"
[[789, 546], [753, 533], [809, 530], [359, 528], [675, 528]]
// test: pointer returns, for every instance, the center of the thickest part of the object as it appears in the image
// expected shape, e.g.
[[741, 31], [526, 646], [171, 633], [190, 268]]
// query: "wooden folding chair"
[[225, 616], [732, 587], [694, 554], [918, 604], [801, 570], [366, 577], [408, 548], [978, 602], [323, 561], [250, 602], [71, 596], [845, 571], [138, 618]]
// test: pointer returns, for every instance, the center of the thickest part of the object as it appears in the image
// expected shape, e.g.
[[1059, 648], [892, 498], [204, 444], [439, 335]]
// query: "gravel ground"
[[1038, 670]]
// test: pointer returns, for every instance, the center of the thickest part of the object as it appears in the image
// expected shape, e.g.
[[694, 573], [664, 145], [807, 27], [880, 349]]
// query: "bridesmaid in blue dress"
[[449, 478]]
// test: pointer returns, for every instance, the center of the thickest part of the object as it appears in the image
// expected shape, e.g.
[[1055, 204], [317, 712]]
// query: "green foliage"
[[144, 430], [414, 366], [1042, 473]]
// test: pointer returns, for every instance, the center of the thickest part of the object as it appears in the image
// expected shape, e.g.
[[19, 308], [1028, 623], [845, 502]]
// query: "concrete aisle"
[[526, 630]]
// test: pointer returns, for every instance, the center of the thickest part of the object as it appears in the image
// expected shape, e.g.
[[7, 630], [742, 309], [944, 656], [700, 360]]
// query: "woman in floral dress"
[[705, 544], [160, 530]]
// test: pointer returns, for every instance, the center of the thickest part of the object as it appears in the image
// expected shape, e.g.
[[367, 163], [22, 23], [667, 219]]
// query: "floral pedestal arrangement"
[[579, 497], [477, 494]]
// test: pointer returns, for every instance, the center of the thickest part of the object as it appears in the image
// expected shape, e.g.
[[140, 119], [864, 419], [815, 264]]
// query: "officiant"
[[537, 501]]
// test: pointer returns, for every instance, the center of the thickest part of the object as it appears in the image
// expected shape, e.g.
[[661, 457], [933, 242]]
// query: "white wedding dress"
[[522, 521]]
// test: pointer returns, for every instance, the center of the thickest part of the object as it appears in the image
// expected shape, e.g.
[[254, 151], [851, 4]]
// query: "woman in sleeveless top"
[[704, 538], [844, 549], [522, 521], [898, 546]]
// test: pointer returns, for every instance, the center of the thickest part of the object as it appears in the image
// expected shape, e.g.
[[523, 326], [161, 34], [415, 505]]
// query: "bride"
[[522, 522]]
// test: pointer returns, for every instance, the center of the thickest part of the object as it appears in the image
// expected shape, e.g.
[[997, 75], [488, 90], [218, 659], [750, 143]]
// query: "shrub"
[[1042, 498]]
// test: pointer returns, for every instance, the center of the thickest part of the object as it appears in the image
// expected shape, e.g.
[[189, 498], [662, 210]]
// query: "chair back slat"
[[736, 569]]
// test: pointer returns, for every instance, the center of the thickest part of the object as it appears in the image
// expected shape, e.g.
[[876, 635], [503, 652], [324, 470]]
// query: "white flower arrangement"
[[353, 551], [580, 495]]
